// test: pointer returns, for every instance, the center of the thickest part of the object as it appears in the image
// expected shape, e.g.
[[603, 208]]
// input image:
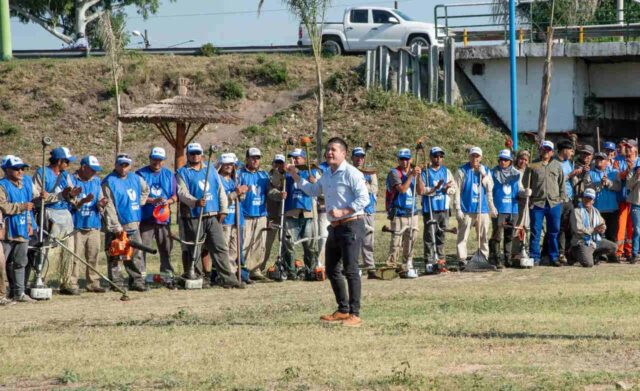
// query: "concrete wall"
[[495, 88], [615, 80]]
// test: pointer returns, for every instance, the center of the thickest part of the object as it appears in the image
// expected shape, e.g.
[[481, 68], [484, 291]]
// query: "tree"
[[312, 13], [112, 43], [119, 27], [67, 20]]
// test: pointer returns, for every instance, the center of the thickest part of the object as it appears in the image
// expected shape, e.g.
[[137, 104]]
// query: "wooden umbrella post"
[[179, 145]]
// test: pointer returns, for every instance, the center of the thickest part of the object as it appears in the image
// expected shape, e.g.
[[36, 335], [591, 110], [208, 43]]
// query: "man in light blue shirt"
[[346, 197]]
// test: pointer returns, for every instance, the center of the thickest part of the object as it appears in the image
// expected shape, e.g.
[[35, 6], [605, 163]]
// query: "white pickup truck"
[[366, 28]]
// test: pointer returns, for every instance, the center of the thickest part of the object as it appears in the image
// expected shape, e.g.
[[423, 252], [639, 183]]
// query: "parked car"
[[366, 28]]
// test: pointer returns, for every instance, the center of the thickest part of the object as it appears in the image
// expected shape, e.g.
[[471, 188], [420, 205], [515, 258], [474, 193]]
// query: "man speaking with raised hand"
[[346, 196]]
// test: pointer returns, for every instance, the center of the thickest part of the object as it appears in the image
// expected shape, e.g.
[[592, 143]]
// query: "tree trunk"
[[546, 81], [118, 111], [320, 113]]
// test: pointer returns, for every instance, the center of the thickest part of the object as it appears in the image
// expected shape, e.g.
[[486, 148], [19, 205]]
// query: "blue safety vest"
[[229, 187], [470, 191], [87, 216], [505, 195], [195, 183], [439, 200], [126, 196], [371, 208], [606, 200], [17, 224], [160, 185], [621, 195], [567, 167], [296, 198], [403, 202], [254, 204], [50, 181]]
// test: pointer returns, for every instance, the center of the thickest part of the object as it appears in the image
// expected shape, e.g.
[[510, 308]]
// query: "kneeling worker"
[[588, 226]]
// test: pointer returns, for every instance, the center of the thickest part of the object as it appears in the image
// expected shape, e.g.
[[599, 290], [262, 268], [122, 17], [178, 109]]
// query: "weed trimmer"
[[38, 290], [238, 232], [522, 230], [318, 272], [277, 272]]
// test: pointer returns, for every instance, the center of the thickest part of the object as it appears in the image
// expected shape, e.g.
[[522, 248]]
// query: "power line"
[[255, 11]]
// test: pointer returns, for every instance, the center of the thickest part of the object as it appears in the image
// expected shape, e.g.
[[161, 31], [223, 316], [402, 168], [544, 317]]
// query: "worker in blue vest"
[[438, 185], [475, 184], [602, 181], [506, 188], [162, 191], [299, 220], [193, 196], [588, 247], [16, 204], [87, 220], [58, 220], [126, 192], [254, 209], [399, 201], [371, 180]]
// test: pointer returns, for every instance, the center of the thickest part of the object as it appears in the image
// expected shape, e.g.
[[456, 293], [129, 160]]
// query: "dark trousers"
[[162, 235], [216, 247], [343, 246], [587, 254], [133, 267], [611, 220], [564, 236], [496, 236], [16, 262], [441, 217]]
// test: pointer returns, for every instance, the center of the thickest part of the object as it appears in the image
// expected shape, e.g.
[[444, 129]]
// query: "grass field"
[[542, 329]]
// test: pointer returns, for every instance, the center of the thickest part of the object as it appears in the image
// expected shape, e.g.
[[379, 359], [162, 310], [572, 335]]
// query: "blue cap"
[[505, 154], [13, 162], [158, 153], [63, 153], [404, 153], [4, 159], [298, 152], [609, 145], [194, 147], [92, 162], [435, 150], [358, 151], [123, 158]]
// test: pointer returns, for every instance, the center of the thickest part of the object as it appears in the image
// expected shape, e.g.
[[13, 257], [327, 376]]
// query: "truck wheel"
[[332, 46], [420, 41]]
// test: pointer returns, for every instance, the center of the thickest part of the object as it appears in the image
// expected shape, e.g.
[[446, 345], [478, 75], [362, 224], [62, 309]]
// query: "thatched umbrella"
[[190, 114]]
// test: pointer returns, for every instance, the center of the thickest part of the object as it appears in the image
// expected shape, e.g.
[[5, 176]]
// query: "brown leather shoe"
[[352, 321], [96, 289], [335, 317]]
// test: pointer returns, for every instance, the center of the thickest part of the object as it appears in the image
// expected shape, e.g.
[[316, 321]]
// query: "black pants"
[[611, 220], [564, 236], [216, 246], [496, 236], [343, 245], [441, 217]]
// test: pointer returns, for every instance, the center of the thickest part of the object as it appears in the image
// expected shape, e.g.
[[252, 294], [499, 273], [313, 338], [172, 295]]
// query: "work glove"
[[459, 215], [527, 193], [482, 171], [493, 212]]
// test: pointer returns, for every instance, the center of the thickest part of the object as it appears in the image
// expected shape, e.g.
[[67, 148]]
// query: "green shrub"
[[7, 105], [254, 130], [261, 59], [208, 50], [377, 99], [231, 90], [68, 376], [9, 130], [271, 73]]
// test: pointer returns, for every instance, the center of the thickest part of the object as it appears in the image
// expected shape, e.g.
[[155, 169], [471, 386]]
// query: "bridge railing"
[[480, 21]]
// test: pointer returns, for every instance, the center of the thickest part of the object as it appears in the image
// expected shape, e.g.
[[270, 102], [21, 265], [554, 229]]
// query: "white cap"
[[227, 158], [194, 147], [589, 193], [4, 159], [475, 150], [158, 153], [254, 152], [547, 144], [279, 158]]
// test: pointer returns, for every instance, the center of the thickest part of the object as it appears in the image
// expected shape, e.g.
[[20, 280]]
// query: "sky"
[[219, 22]]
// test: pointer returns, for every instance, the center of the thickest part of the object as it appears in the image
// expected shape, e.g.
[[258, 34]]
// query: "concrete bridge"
[[593, 84]]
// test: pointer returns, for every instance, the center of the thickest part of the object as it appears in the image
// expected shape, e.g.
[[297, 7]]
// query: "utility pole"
[[621, 11], [514, 80], [395, 4], [5, 30]]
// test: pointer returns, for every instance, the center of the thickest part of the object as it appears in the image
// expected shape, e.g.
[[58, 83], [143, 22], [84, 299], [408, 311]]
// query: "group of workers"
[[591, 207]]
